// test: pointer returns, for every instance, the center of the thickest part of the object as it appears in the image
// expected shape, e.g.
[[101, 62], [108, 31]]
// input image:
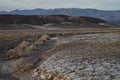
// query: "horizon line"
[[59, 8]]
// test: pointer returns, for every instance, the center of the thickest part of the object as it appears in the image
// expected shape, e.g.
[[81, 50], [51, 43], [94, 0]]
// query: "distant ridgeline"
[[112, 16], [44, 19]]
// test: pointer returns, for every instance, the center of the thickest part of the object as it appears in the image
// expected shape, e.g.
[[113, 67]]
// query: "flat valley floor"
[[70, 54]]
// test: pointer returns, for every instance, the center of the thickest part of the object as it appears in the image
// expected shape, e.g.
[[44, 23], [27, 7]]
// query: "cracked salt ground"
[[86, 61], [86, 70]]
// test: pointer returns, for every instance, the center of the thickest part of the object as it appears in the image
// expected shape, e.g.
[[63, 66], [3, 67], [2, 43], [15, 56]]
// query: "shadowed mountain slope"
[[107, 15], [40, 20]]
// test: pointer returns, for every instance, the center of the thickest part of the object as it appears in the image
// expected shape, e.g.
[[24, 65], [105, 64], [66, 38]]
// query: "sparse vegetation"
[[44, 37], [11, 53], [20, 50], [42, 40], [31, 48], [24, 45], [21, 70], [22, 66], [44, 75], [108, 44], [31, 45], [38, 42], [14, 53]]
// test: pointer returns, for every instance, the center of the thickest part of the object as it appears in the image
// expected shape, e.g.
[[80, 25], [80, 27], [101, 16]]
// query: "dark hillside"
[[40, 20]]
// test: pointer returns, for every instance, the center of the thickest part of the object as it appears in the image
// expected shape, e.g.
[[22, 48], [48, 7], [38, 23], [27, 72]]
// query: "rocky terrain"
[[58, 47], [81, 54], [85, 57]]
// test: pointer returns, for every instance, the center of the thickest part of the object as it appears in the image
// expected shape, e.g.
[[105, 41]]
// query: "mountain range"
[[112, 16]]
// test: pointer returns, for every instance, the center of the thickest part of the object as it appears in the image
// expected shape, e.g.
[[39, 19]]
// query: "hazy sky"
[[47, 4]]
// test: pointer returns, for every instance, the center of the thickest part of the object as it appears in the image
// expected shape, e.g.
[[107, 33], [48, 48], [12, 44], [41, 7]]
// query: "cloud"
[[31, 4]]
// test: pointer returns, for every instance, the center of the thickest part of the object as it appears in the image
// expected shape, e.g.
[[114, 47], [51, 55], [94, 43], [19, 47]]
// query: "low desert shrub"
[[42, 40], [22, 69], [44, 75], [20, 50], [38, 42], [24, 44], [31, 48], [11, 53], [44, 37], [14, 53], [21, 66]]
